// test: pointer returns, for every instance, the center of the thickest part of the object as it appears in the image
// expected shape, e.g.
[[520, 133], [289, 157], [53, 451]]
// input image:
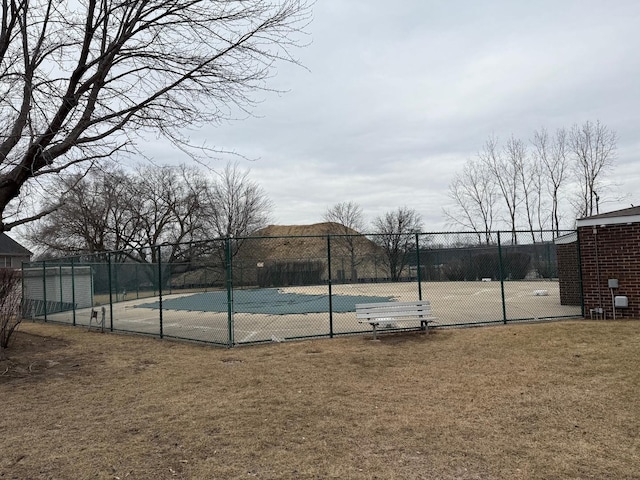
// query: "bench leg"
[[424, 325]]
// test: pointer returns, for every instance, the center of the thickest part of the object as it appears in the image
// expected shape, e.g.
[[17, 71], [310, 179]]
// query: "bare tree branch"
[[474, 195], [504, 167], [593, 146], [346, 220], [93, 76], [553, 157]]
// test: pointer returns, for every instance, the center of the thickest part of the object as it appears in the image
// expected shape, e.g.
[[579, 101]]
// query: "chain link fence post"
[[419, 275], [44, 288], [159, 254], [330, 286], [229, 266], [22, 282], [73, 291], [501, 273], [61, 287], [110, 292]]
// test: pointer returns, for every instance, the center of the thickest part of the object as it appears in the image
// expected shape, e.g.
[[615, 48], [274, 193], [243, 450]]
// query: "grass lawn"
[[537, 401]]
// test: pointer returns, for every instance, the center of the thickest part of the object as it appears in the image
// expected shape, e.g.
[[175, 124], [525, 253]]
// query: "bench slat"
[[396, 320], [394, 313], [393, 304]]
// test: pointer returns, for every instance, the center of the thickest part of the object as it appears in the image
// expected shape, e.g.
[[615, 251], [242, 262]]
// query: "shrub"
[[516, 265], [10, 300], [454, 271]]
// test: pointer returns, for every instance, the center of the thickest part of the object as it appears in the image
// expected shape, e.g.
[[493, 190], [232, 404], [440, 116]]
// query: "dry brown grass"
[[544, 401]]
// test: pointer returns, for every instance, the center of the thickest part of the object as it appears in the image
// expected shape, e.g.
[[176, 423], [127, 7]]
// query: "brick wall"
[[569, 274], [607, 252]]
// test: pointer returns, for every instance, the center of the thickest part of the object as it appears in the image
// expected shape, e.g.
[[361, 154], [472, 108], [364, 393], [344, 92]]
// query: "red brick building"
[[609, 247]]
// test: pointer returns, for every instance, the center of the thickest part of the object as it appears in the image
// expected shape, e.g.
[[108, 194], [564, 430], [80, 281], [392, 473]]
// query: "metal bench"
[[389, 313]]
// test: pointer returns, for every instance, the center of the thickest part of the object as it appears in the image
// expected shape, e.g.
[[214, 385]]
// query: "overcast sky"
[[398, 95]]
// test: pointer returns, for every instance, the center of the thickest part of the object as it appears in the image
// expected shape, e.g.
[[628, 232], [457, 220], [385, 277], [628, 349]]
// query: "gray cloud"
[[397, 96]]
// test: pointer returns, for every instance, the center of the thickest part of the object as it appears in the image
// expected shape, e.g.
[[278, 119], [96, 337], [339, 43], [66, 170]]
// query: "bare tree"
[[95, 215], [347, 221], [474, 195], [504, 167], [539, 203], [236, 207], [82, 81], [111, 210], [528, 179], [395, 234], [170, 209], [552, 156], [347, 214], [133, 212], [593, 146]]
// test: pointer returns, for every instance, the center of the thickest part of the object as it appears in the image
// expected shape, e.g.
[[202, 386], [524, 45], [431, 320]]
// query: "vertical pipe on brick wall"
[[418, 266], [504, 306], [330, 287], [595, 244], [582, 310]]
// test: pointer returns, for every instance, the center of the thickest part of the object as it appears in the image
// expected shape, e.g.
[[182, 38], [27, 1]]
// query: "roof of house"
[[625, 215], [9, 247]]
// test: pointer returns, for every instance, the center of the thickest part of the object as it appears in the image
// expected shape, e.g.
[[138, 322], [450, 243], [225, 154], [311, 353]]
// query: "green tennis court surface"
[[271, 301]]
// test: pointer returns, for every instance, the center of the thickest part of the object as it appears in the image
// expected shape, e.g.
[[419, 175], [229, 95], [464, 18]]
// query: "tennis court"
[[272, 314]]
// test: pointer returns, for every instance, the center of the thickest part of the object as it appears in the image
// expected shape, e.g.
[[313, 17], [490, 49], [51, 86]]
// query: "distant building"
[[12, 254]]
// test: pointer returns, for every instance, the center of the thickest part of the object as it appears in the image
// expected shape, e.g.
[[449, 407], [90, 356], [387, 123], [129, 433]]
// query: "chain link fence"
[[263, 289]]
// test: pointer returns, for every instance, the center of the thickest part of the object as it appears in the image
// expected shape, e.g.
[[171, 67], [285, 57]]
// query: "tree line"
[[533, 185], [132, 211], [185, 210]]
